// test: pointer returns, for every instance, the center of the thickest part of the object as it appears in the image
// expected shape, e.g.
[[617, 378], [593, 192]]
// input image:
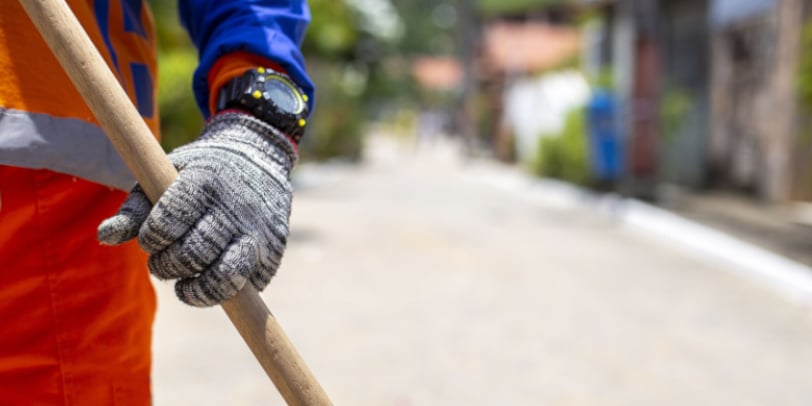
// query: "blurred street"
[[420, 278]]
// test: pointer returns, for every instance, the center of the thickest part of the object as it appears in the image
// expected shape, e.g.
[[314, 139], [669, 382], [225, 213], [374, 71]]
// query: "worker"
[[76, 302]]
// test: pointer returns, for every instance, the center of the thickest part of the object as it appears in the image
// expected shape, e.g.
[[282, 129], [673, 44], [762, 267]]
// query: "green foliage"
[[674, 107], [181, 120], [605, 79], [565, 156], [331, 47], [333, 32], [804, 84], [171, 34], [423, 36], [513, 6], [804, 79], [335, 128]]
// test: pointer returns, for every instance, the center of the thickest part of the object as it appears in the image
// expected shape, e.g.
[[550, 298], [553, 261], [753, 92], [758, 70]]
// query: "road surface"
[[418, 278]]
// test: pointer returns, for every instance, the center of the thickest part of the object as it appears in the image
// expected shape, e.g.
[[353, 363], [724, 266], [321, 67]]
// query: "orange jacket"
[[43, 121], [77, 316]]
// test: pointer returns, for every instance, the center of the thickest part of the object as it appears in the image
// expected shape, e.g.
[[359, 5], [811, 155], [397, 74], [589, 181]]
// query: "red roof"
[[527, 47], [437, 73]]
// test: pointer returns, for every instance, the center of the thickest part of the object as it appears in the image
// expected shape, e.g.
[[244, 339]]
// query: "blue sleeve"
[[273, 29]]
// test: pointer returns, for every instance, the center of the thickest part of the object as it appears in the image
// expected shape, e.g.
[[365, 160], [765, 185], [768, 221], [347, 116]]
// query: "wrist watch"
[[270, 96]]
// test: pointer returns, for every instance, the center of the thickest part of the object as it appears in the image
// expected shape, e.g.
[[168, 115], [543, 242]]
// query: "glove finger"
[[177, 211], [195, 252], [261, 279], [124, 225], [266, 268], [224, 279]]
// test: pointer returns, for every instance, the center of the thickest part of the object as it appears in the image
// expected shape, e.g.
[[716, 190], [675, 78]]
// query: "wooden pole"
[[143, 155]]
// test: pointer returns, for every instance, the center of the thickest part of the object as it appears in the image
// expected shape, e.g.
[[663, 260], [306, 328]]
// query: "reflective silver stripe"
[[65, 145]]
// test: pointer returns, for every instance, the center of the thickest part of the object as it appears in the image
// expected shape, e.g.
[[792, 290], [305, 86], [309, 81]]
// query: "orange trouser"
[[75, 316]]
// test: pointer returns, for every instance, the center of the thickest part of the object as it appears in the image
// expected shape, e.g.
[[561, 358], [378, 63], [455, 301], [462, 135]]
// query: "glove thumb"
[[124, 225]]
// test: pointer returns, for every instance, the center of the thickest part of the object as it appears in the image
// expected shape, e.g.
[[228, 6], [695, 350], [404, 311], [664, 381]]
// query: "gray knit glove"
[[224, 221]]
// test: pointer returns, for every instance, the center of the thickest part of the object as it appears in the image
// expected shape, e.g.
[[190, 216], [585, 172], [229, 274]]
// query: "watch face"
[[271, 97], [283, 96]]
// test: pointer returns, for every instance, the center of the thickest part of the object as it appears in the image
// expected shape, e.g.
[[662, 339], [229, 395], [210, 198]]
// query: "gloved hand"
[[224, 221]]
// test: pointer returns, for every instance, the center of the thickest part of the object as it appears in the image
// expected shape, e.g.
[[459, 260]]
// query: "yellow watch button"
[[304, 96], [257, 94], [302, 122], [261, 70]]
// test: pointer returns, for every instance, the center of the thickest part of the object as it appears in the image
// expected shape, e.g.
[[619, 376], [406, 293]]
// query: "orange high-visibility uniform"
[[76, 316]]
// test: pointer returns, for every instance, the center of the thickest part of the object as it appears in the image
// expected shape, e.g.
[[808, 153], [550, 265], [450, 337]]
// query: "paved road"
[[418, 279]]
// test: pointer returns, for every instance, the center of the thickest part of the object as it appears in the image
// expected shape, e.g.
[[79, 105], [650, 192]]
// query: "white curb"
[[790, 279]]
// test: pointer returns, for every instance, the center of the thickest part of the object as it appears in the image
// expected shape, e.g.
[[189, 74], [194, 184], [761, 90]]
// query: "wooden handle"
[[143, 155]]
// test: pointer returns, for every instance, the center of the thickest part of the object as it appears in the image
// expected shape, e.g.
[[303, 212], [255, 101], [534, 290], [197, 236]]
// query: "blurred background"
[[684, 103], [535, 202]]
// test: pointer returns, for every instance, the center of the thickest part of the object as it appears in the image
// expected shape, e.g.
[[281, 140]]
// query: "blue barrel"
[[604, 144]]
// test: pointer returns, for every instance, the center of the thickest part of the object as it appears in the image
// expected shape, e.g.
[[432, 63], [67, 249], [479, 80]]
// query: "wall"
[[754, 101]]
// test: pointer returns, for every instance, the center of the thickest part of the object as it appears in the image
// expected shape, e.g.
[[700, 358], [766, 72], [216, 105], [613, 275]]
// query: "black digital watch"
[[270, 96]]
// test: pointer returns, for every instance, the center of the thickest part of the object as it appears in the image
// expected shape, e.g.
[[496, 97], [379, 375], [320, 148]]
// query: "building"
[[708, 94]]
